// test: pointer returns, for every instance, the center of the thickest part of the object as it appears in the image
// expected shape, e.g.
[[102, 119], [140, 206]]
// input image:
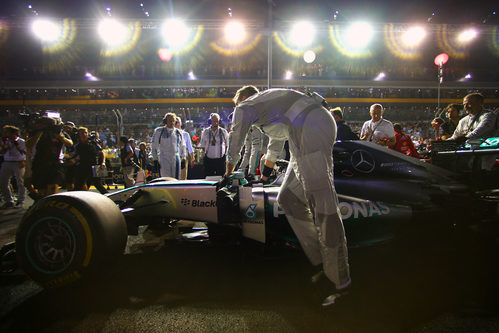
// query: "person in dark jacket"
[[344, 132]]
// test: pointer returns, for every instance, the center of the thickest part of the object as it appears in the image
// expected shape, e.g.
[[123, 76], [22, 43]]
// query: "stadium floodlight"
[[235, 33], [413, 36], [465, 78], [309, 56], [380, 76], [113, 32], [302, 34], [46, 30], [288, 75], [175, 33], [91, 77], [358, 35], [467, 35]]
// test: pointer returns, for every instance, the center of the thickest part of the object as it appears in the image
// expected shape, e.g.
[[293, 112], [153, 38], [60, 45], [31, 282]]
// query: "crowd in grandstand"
[[228, 92], [158, 70]]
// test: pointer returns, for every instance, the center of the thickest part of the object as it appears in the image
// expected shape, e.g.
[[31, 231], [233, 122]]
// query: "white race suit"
[[252, 150], [169, 144], [307, 195]]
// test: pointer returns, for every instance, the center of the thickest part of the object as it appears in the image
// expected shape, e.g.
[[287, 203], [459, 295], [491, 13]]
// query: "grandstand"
[[146, 76]]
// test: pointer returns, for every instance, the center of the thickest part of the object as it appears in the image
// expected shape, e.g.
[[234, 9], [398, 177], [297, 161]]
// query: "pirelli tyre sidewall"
[[66, 236]]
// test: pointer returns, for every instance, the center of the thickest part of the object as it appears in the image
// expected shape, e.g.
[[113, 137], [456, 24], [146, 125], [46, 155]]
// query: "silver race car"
[[69, 235]]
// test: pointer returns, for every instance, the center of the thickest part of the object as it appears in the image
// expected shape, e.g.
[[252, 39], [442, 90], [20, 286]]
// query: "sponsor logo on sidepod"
[[352, 210], [198, 203]]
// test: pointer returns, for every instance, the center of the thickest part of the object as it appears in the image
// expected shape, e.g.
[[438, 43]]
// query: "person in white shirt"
[[189, 153], [14, 160], [378, 129], [252, 151], [478, 124], [168, 147], [214, 144]]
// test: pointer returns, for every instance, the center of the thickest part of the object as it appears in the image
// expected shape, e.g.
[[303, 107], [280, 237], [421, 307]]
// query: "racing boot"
[[324, 290], [331, 299]]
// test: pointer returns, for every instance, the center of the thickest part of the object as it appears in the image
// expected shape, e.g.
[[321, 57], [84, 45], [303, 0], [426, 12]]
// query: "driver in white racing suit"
[[168, 143], [307, 195]]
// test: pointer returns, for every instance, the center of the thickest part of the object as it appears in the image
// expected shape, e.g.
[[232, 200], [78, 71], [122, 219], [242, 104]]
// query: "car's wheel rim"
[[50, 245]]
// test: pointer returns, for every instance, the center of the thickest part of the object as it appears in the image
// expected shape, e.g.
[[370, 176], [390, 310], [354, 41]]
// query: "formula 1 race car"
[[67, 236]]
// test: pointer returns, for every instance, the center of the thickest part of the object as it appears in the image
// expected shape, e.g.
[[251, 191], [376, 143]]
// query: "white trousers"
[[7, 171], [308, 196], [170, 166]]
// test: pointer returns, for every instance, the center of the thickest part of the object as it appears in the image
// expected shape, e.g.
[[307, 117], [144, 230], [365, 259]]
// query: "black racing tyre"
[[65, 236]]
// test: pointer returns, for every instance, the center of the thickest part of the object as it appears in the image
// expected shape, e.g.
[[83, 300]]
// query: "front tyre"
[[64, 237]]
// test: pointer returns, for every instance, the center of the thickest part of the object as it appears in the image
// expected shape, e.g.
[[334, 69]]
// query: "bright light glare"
[[467, 35], [288, 75], [165, 54], [91, 77], [413, 36], [465, 78], [191, 75], [235, 32], [380, 76], [46, 30], [302, 34], [359, 35], [309, 56], [175, 32], [113, 32]]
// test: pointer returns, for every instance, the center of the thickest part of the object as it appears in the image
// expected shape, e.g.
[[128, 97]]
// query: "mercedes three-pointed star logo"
[[362, 161]]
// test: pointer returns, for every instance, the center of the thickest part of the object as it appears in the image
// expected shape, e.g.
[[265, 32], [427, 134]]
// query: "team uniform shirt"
[[214, 142], [167, 141], [168, 144], [404, 145], [382, 129]]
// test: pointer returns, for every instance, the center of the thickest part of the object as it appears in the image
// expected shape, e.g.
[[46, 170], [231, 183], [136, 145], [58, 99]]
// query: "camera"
[[92, 136], [72, 131], [35, 122]]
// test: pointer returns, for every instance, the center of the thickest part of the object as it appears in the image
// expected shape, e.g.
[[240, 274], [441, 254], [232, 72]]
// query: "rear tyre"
[[66, 236]]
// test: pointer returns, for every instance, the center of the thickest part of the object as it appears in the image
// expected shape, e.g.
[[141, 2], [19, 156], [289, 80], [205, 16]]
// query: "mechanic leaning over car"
[[307, 195], [168, 143]]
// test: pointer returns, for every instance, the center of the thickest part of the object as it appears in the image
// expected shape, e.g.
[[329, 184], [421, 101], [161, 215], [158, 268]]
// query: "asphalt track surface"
[[175, 280]]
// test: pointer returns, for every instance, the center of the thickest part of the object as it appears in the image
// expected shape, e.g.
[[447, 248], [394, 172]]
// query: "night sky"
[[446, 11]]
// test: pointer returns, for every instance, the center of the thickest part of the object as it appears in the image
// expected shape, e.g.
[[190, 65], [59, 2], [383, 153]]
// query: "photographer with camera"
[[45, 141], [88, 155], [14, 159]]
